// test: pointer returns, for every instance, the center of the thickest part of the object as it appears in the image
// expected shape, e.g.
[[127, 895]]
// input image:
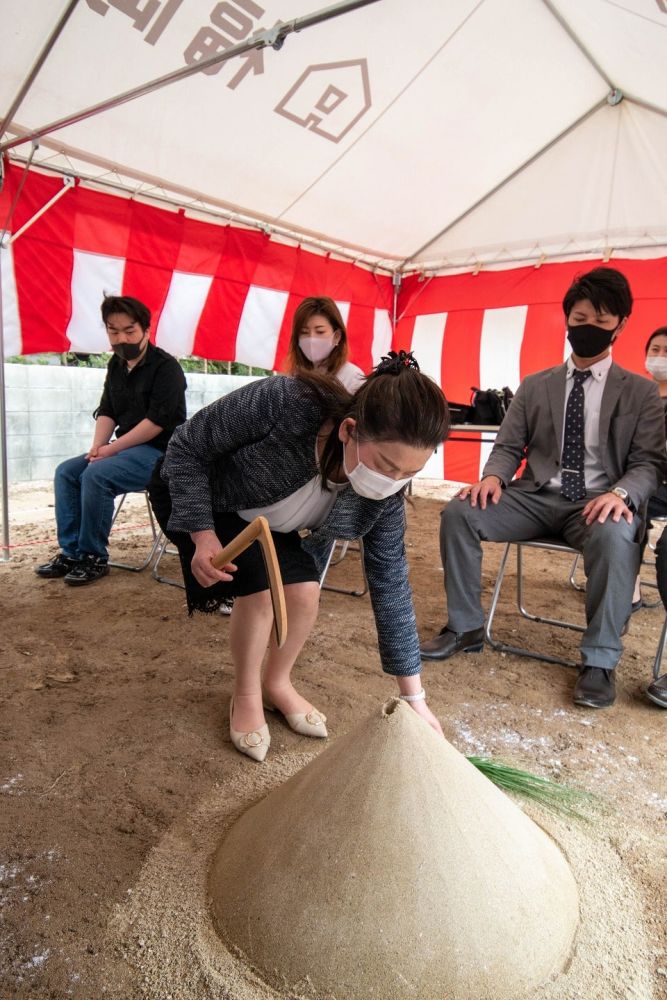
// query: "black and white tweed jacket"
[[256, 446]]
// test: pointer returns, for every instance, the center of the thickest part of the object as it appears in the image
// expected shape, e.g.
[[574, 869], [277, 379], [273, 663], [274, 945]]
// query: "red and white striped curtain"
[[492, 329], [223, 292], [215, 291]]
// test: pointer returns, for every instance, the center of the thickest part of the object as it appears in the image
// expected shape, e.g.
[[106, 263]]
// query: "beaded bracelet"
[[420, 696]]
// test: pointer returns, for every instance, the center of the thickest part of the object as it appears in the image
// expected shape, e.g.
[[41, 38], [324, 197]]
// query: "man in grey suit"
[[592, 435]]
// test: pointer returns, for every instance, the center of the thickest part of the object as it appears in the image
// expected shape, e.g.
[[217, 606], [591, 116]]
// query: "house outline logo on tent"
[[329, 98]]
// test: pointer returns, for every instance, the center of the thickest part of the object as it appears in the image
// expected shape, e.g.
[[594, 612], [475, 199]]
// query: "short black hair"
[[605, 288], [660, 332], [140, 313]]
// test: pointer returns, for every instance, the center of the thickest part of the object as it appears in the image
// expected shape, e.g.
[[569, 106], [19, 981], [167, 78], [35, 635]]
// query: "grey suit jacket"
[[632, 433]]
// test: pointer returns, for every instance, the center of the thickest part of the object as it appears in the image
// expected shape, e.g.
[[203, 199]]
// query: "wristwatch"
[[624, 495]]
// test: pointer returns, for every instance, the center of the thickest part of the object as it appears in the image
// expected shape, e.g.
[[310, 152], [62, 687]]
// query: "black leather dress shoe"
[[657, 691], [446, 643], [595, 688]]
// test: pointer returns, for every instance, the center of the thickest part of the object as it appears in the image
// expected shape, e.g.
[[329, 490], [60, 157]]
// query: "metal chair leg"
[[519, 600], [504, 647], [149, 558], [163, 549], [343, 590], [660, 652], [573, 581]]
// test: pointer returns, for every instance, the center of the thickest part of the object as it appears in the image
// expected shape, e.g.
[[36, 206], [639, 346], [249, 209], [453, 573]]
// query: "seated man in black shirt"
[[142, 402]]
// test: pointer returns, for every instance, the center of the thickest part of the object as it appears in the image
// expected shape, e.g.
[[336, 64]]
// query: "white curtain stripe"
[[93, 277], [182, 311], [259, 328], [500, 355], [344, 308], [11, 321], [381, 335], [428, 337]]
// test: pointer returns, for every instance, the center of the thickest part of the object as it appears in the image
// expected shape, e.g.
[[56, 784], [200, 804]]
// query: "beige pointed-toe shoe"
[[255, 744], [310, 723]]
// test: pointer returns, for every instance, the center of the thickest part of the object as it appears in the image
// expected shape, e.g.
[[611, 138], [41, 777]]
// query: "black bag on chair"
[[489, 406], [459, 413]]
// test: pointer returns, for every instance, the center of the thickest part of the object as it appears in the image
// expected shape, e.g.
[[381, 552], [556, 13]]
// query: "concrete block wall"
[[50, 412]]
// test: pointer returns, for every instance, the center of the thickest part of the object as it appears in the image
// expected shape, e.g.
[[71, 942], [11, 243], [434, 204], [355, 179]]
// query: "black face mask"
[[129, 352], [588, 340]]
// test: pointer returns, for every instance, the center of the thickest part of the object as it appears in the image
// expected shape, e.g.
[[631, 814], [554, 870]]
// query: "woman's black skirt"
[[296, 566]]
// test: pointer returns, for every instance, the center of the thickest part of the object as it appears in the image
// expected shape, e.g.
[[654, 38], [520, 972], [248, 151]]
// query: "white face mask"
[[371, 484], [316, 349], [657, 367]]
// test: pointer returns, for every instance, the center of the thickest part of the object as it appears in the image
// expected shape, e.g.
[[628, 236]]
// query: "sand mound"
[[390, 866], [164, 932]]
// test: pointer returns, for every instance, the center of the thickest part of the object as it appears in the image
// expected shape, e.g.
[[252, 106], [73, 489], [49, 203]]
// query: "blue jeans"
[[85, 493]]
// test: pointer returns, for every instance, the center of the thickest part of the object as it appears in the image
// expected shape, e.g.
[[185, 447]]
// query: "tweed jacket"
[[256, 446], [632, 433]]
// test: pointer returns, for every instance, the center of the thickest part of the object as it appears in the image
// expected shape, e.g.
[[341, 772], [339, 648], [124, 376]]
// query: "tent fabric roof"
[[418, 136]]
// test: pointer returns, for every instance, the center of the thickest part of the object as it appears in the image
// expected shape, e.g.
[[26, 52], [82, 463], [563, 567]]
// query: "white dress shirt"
[[596, 478]]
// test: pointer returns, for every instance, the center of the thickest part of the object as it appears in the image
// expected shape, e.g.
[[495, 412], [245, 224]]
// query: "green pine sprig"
[[564, 800]]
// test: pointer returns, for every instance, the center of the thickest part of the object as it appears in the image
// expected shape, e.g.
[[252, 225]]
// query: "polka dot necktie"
[[573, 482]]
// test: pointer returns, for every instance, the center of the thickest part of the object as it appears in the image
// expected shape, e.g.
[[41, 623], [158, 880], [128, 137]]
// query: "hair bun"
[[393, 363]]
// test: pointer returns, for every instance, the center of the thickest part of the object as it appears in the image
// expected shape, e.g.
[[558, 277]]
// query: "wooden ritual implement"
[[258, 531]]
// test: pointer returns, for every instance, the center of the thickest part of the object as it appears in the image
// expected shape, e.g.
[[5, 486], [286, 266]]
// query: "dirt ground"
[[115, 755]]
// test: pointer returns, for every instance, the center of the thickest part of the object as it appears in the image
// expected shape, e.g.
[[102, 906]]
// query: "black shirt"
[[154, 390]]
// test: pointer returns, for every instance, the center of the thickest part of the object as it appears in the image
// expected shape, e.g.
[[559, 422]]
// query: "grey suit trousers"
[[611, 560]]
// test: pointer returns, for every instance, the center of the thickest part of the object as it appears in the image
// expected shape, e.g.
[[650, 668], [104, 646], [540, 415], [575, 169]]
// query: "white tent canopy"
[[432, 135]]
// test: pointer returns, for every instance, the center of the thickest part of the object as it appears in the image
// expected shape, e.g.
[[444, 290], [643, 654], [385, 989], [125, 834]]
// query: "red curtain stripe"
[[152, 244]]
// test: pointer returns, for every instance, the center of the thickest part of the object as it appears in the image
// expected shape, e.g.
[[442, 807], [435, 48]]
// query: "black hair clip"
[[393, 363]]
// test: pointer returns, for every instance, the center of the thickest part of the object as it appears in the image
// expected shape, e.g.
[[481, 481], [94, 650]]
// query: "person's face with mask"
[[377, 469], [591, 332], [126, 337], [656, 359], [318, 339]]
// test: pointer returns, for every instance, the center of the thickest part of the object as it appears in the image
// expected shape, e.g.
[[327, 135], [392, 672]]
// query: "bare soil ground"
[[114, 745]]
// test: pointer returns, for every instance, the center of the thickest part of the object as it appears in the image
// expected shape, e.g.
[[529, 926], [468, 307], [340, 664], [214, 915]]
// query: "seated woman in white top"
[[319, 343]]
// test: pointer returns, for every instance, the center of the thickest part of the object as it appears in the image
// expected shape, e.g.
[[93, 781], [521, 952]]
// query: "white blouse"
[[307, 508], [351, 376]]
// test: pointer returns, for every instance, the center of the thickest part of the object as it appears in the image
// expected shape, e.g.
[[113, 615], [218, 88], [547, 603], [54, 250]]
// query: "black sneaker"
[[59, 566], [87, 570]]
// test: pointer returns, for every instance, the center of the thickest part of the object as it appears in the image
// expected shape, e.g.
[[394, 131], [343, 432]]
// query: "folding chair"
[[645, 562], [137, 568], [660, 652], [162, 550], [345, 547], [547, 544]]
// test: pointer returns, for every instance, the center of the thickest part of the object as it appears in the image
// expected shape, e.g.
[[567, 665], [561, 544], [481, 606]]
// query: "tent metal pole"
[[68, 182], [656, 109], [37, 65], [4, 549], [396, 280], [273, 37], [214, 207], [506, 180], [442, 266], [578, 42]]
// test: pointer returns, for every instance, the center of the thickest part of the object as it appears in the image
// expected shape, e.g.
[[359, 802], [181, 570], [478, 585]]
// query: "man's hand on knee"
[[607, 504], [489, 488]]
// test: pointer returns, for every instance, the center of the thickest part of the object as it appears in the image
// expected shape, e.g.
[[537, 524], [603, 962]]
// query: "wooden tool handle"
[[239, 544], [258, 530]]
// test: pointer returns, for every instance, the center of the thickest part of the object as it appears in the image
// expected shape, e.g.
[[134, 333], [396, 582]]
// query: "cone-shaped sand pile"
[[391, 868]]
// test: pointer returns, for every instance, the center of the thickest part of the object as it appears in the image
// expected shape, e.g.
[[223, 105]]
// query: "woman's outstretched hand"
[[411, 688], [207, 545], [421, 708]]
